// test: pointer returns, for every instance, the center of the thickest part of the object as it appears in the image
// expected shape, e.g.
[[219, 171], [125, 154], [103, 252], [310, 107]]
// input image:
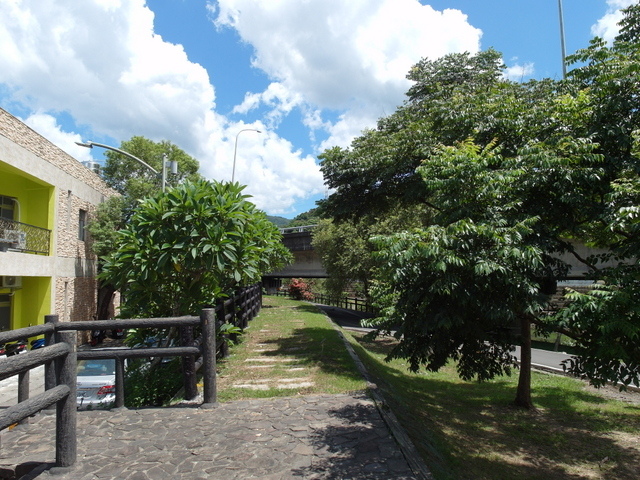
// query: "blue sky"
[[309, 74]]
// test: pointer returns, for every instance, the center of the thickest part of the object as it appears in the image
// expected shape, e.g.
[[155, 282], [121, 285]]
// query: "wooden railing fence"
[[60, 355], [350, 303]]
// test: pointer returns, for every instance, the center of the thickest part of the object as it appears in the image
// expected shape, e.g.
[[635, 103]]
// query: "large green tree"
[[134, 180], [188, 247], [511, 173]]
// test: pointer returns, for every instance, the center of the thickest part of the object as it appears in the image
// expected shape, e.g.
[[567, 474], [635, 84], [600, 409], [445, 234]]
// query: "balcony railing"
[[22, 237]]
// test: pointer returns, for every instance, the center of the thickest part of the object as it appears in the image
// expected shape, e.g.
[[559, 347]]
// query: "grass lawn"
[[463, 430], [290, 348], [469, 430]]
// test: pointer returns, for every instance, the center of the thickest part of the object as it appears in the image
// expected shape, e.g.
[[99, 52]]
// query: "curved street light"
[[172, 164], [235, 150]]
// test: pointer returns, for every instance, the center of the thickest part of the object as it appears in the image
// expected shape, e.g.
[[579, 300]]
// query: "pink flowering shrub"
[[300, 290]]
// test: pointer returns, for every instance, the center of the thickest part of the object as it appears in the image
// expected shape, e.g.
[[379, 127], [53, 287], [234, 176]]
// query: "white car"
[[96, 383]]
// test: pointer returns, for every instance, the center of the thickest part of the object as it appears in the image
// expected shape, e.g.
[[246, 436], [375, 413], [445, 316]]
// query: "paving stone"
[[286, 438]]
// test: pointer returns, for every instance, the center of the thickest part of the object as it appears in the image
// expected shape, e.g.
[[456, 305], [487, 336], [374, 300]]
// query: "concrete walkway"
[[349, 436], [305, 437]]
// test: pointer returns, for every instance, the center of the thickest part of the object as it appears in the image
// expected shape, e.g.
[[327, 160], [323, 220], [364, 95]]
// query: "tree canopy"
[[130, 178], [134, 181], [184, 249], [511, 174]]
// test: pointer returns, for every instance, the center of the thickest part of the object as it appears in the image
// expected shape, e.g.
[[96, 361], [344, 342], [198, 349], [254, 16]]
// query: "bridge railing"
[[301, 229], [59, 357]]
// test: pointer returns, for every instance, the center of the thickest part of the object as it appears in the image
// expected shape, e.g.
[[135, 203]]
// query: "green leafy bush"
[[145, 386]]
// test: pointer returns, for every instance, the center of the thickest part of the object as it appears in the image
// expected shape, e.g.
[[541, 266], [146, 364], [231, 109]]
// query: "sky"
[[307, 74]]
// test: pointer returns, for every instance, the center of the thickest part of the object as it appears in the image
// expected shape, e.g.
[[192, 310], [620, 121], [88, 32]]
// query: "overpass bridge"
[[306, 262]]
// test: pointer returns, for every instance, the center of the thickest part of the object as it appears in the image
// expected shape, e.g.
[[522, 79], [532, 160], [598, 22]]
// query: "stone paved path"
[[304, 437]]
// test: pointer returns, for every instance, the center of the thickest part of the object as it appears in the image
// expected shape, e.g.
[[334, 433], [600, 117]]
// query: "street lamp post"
[[235, 150], [562, 45], [165, 163]]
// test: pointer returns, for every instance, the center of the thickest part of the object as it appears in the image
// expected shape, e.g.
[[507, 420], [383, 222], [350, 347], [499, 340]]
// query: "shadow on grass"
[[308, 308], [318, 347], [470, 430]]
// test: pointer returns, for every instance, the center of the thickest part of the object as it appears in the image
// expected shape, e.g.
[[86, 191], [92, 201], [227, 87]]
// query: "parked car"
[[96, 383]]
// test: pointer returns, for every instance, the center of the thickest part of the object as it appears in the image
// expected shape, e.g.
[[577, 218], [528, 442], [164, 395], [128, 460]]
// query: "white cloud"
[[47, 126], [280, 100], [276, 174], [101, 62], [607, 26], [346, 56], [340, 64], [518, 72]]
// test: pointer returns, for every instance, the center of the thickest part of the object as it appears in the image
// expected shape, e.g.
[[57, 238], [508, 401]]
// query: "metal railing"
[[60, 356], [301, 229], [22, 237]]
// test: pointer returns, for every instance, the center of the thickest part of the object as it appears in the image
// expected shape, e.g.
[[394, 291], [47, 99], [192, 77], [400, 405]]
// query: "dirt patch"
[[614, 393]]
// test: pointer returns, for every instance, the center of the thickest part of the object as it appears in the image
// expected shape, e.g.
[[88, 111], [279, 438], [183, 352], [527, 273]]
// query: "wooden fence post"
[[49, 372], [119, 382], [189, 365], [66, 439], [23, 391], [208, 322]]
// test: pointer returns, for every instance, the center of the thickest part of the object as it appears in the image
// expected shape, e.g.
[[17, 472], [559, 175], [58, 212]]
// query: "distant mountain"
[[280, 222]]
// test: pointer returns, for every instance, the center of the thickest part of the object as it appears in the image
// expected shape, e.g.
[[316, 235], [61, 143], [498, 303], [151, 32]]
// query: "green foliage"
[[457, 292], [278, 221], [185, 248], [145, 387], [311, 217], [608, 319], [346, 251], [134, 180], [511, 175], [227, 332], [104, 226]]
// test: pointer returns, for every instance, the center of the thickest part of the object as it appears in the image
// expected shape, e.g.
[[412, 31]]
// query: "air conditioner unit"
[[17, 238], [11, 282], [93, 166]]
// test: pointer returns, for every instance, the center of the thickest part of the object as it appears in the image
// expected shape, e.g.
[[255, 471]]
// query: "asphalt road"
[[350, 319]]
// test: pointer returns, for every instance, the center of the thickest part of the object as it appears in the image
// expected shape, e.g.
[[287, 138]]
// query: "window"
[[8, 208], [5, 313], [82, 225]]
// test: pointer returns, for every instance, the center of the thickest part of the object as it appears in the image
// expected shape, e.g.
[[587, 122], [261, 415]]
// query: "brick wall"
[[74, 297], [20, 134]]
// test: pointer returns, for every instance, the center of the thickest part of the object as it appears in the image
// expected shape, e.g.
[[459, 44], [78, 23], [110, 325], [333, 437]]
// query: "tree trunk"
[[105, 295], [523, 394]]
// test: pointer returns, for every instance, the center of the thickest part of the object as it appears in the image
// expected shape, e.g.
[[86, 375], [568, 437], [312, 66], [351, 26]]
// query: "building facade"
[[46, 199]]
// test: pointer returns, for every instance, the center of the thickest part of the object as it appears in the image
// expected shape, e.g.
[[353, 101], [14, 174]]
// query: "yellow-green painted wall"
[[35, 197], [30, 303]]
